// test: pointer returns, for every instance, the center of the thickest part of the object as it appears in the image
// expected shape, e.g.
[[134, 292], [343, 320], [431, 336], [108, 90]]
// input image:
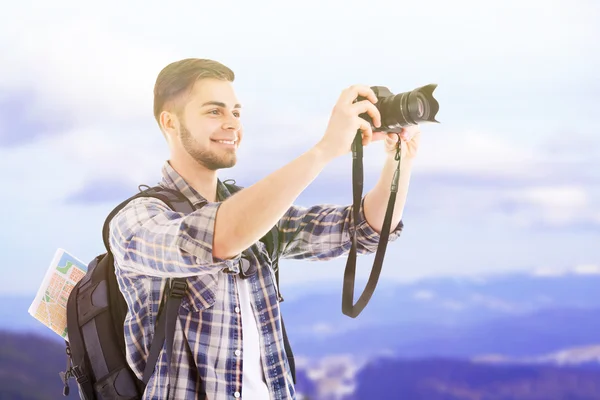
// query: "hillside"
[[29, 367], [445, 379]]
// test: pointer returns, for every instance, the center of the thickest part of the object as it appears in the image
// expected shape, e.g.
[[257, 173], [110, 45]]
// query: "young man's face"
[[209, 126]]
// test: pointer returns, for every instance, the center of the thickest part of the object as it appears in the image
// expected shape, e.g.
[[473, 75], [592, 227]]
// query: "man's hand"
[[345, 121], [377, 199], [410, 137]]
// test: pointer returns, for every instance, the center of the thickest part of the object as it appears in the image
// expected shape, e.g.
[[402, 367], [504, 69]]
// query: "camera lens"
[[421, 107], [409, 108]]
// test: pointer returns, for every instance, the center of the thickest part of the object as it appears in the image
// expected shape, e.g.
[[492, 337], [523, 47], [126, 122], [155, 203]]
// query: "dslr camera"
[[403, 109]]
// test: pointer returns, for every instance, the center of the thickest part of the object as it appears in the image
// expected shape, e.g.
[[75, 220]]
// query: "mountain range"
[[529, 336], [516, 314], [29, 366]]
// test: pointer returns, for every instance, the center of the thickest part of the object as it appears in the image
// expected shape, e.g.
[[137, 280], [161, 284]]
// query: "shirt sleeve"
[[147, 237], [323, 232]]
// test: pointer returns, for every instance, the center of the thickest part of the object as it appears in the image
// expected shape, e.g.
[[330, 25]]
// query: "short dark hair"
[[180, 76]]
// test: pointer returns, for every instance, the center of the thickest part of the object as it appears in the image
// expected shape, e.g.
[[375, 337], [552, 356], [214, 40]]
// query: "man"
[[228, 335]]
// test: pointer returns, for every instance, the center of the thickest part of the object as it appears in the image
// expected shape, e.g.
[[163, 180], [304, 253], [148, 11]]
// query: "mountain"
[[29, 367], [448, 379], [24, 376], [444, 316], [540, 332], [515, 314], [525, 335], [450, 300], [493, 377], [582, 356]]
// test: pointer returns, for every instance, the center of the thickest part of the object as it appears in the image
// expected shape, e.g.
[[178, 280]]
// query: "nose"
[[232, 123]]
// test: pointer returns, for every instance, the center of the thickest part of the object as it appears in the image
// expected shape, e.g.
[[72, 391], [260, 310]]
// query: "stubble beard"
[[207, 158]]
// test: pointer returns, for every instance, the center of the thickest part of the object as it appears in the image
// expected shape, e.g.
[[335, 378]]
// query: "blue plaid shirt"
[[151, 243]]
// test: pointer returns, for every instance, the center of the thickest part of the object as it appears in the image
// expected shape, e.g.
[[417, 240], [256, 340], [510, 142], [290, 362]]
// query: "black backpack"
[[96, 313]]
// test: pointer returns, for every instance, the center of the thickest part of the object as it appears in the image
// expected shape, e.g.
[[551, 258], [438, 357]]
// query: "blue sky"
[[510, 180]]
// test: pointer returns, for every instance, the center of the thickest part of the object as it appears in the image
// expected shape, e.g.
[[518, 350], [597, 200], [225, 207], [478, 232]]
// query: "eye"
[[237, 114], [215, 111]]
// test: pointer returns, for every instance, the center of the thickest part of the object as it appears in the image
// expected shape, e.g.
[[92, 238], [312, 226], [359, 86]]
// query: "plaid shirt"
[[150, 243]]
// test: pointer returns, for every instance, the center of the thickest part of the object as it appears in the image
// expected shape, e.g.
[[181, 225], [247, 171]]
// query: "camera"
[[403, 109]]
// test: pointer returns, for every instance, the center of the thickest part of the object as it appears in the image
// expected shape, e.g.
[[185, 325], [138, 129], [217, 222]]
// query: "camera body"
[[403, 109]]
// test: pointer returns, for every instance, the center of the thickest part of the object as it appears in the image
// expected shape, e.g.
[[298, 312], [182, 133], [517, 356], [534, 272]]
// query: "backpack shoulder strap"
[[173, 198], [165, 326]]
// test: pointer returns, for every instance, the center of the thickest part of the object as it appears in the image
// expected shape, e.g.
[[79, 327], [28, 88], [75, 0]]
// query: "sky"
[[508, 181]]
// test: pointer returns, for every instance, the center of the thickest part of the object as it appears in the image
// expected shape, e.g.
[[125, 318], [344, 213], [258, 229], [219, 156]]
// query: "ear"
[[169, 123]]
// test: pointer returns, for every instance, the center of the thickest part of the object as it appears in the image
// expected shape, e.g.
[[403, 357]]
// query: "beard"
[[209, 159]]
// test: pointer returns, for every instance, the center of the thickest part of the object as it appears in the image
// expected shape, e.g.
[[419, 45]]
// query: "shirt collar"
[[173, 180]]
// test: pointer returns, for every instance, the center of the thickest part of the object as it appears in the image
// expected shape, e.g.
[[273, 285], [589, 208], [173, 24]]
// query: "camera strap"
[[350, 272]]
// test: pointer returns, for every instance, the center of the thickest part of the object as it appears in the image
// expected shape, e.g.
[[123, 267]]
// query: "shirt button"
[[237, 310], [236, 394], [237, 352]]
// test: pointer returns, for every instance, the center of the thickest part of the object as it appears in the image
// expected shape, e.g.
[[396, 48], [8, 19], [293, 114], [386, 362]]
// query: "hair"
[[180, 76]]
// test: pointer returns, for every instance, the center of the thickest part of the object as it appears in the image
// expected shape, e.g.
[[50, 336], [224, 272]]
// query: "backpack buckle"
[[78, 374], [178, 288]]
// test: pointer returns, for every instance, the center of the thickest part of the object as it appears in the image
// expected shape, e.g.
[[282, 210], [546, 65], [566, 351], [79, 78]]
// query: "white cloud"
[[102, 62], [453, 305], [575, 269], [555, 205], [548, 272], [82, 68], [485, 153], [569, 197], [424, 295], [89, 64], [61, 165], [324, 329], [96, 65], [587, 269], [494, 303]]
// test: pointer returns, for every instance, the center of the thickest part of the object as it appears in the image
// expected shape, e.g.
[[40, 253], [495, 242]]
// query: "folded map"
[[50, 303]]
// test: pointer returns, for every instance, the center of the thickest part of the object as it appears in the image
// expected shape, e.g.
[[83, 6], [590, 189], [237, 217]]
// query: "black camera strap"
[[357, 190]]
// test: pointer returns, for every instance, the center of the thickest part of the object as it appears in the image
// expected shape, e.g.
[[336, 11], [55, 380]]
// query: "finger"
[[366, 131], [349, 95], [392, 137], [365, 106], [406, 134], [379, 136]]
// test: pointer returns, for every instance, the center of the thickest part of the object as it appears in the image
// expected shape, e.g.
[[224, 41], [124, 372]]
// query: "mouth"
[[228, 143]]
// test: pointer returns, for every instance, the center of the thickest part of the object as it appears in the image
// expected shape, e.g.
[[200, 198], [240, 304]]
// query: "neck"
[[204, 181]]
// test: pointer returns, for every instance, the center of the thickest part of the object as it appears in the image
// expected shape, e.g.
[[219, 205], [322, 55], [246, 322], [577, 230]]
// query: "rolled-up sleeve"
[[147, 237], [323, 232]]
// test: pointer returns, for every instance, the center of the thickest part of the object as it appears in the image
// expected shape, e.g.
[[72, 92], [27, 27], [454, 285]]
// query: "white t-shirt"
[[254, 386]]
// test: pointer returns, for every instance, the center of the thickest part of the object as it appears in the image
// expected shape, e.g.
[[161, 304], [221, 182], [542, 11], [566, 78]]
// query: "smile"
[[229, 142]]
